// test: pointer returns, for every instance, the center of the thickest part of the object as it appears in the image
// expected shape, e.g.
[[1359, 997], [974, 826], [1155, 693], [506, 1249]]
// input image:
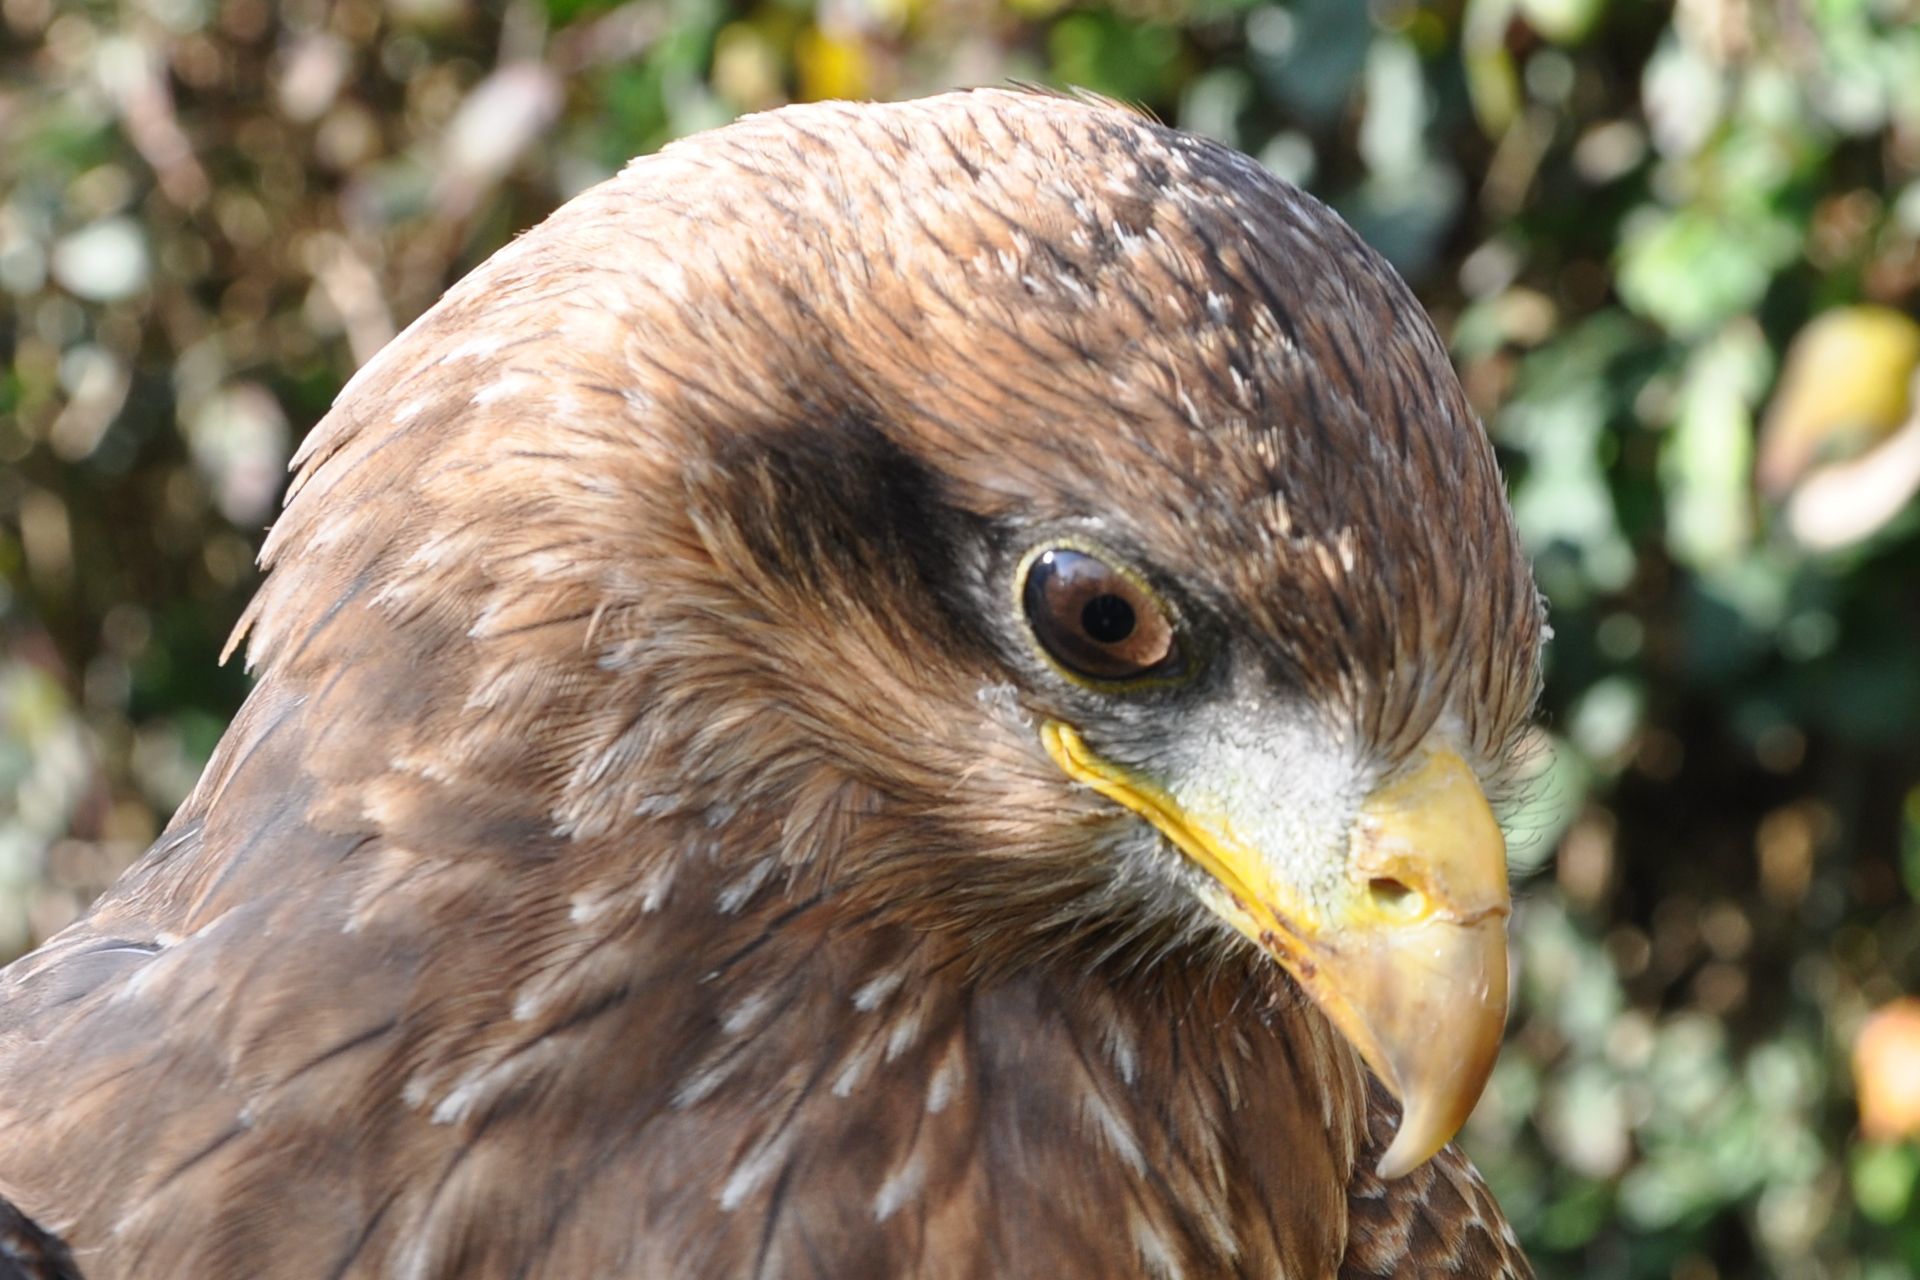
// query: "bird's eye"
[[1095, 620]]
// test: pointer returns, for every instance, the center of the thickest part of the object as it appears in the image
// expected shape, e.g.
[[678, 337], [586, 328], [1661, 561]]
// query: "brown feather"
[[636, 857]]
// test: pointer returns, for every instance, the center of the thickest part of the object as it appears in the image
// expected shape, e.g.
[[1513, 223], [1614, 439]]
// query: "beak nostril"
[[1395, 898]]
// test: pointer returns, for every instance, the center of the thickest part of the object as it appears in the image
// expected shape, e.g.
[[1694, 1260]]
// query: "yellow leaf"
[[831, 67], [1846, 387]]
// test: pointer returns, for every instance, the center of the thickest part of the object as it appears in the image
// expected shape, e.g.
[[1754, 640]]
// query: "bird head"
[[1009, 515]]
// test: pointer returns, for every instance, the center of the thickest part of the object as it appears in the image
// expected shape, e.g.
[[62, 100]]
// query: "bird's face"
[[1249, 567], [1378, 884]]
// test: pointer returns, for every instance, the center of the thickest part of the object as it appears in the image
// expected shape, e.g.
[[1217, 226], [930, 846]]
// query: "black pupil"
[[1107, 619]]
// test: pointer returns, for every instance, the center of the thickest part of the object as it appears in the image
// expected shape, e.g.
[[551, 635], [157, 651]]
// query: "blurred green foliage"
[[1621, 213]]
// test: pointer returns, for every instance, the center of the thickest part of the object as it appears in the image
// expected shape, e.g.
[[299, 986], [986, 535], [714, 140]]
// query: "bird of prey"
[[897, 691]]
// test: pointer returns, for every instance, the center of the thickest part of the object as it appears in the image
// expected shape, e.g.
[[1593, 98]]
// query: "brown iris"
[[1094, 619]]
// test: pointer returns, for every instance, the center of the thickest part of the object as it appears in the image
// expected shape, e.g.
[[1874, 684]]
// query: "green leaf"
[[1706, 463], [1692, 270], [1883, 1175]]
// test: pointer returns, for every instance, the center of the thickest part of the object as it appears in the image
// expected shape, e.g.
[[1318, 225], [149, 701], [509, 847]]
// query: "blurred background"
[[1675, 250]]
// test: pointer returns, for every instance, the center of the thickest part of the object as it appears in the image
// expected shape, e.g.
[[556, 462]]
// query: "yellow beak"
[[1406, 954]]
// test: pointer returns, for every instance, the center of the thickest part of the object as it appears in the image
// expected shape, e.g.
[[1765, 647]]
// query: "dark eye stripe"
[[1093, 619]]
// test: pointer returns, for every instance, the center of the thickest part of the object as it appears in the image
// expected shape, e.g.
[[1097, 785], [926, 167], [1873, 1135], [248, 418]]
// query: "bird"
[[914, 689]]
